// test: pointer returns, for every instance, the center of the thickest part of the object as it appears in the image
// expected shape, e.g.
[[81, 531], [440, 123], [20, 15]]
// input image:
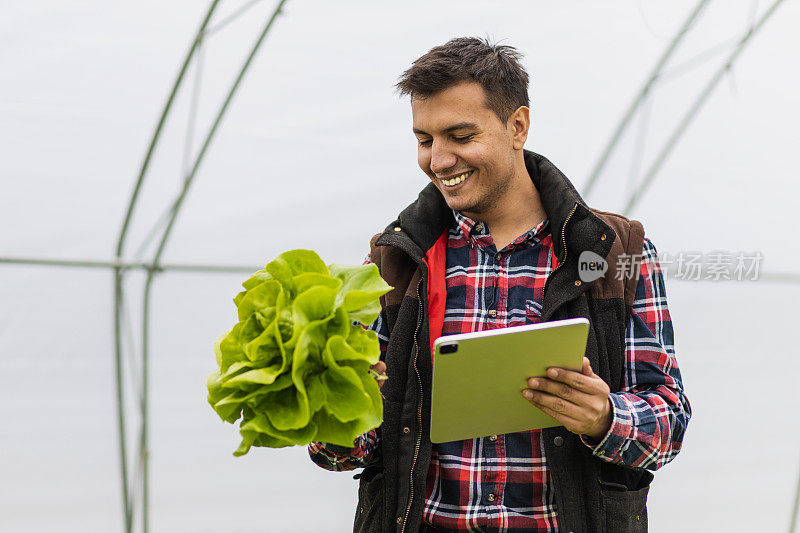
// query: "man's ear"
[[519, 124]]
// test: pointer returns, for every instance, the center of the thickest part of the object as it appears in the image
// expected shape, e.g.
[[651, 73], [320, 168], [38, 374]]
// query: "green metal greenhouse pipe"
[[81, 263], [795, 508], [126, 497], [161, 121], [767, 277], [144, 452], [178, 203], [126, 502], [210, 136], [693, 110], [654, 75]]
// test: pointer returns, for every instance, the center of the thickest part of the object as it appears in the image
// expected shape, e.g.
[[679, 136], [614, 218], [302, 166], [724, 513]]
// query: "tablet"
[[478, 377]]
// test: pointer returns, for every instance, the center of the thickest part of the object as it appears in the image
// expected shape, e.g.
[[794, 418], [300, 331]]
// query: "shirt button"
[[558, 441], [479, 227], [398, 228], [399, 519], [406, 430], [493, 438], [490, 497], [603, 237], [493, 313], [577, 283]]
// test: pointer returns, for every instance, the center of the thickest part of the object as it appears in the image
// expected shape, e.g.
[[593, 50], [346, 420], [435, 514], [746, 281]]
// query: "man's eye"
[[425, 142], [463, 139]]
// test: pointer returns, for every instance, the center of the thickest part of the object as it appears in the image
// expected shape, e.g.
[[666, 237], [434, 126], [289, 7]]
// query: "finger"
[[562, 389], [555, 403], [562, 418], [572, 379], [378, 371], [572, 425], [586, 370]]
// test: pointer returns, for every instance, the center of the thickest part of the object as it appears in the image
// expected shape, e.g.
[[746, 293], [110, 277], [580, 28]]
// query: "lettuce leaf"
[[295, 367]]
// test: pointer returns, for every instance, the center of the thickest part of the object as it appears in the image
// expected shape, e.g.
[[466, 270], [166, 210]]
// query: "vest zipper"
[[419, 412], [563, 242]]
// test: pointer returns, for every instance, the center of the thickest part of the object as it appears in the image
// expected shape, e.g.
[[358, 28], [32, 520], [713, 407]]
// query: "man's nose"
[[441, 158]]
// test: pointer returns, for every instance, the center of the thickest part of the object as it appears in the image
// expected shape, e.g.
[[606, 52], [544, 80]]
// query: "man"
[[494, 241]]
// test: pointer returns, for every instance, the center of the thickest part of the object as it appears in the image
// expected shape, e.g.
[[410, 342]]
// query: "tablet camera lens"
[[449, 348]]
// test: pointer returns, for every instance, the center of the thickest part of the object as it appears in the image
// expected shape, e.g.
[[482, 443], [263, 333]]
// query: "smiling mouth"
[[457, 179]]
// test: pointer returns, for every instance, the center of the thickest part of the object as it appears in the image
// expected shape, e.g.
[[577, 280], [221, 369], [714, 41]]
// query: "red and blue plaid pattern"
[[502, 482]]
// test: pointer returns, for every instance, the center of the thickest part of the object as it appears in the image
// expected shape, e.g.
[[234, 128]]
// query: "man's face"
[[464, 148]]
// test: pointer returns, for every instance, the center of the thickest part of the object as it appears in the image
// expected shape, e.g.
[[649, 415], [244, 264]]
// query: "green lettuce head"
[[295, 367]]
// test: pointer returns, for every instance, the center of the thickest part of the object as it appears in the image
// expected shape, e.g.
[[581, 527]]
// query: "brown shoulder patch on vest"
[[396, 268], [623, 259]]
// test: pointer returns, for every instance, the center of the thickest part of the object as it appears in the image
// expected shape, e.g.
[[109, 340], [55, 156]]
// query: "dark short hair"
[[497, 68]]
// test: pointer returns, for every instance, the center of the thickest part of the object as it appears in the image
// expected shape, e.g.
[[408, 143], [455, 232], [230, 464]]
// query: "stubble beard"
[[492, 197]]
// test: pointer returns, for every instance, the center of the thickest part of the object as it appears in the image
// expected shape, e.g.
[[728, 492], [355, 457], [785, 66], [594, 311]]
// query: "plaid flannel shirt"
[[502, 481]]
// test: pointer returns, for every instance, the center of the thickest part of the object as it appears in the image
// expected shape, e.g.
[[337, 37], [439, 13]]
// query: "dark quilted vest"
[[591, 495]]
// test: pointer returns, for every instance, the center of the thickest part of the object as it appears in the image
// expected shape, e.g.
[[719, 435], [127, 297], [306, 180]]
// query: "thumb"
[[586, 369]]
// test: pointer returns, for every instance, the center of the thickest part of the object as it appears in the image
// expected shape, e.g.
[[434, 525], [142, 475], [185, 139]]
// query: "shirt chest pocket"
[[533, 311]]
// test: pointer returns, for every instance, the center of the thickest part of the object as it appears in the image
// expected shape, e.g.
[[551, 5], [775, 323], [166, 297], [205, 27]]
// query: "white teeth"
[[457, 179]]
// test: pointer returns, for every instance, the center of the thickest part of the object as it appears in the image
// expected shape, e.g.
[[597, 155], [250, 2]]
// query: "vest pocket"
[[369, 512], [624, 509]]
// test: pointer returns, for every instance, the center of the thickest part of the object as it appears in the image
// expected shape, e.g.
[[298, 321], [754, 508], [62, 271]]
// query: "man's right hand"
[[380, 373]]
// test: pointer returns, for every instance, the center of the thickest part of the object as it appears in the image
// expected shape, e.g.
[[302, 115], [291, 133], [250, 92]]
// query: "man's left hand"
[[578, 400]]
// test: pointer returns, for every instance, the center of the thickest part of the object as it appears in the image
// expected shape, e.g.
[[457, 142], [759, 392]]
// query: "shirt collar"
[[477, 234]]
